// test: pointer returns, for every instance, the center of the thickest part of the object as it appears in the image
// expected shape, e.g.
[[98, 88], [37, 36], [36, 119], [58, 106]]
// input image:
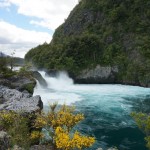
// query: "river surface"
[[106, 108]]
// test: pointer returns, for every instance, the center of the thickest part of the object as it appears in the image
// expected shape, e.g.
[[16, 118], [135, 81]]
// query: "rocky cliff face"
[[98, 75], [102, 33]]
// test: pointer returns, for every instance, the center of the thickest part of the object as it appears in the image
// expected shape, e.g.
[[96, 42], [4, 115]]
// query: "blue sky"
[[11, 16], [25, 24]]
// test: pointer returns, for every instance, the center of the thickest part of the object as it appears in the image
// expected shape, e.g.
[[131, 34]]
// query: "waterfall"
[[60, 89], [60, 82]]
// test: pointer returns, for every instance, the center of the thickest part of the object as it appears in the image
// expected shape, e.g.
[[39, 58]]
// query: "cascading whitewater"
[[59, 82], [57, 90]]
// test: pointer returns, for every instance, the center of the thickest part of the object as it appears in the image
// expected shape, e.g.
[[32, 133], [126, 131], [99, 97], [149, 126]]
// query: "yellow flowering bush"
[[63, 117], [65, 141], [7, 119], [35, 136], [59, 124], [41, 121]]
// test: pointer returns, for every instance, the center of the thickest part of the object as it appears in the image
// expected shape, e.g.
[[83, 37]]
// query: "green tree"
[[11, 60]]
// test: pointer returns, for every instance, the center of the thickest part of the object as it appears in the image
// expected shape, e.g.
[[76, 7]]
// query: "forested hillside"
[[101, 32]]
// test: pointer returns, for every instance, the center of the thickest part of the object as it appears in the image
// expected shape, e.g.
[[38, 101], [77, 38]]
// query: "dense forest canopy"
[[104, 32]]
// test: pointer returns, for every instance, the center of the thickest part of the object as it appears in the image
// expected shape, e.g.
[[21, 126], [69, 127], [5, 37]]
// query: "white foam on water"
[[58, 89], [62, 89]]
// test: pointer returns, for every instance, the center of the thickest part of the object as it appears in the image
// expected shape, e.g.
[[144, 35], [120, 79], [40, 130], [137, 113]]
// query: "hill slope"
[[97, 37], [2, 54]]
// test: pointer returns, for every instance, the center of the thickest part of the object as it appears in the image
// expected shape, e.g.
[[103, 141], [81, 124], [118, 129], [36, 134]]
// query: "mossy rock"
[[29, 87]]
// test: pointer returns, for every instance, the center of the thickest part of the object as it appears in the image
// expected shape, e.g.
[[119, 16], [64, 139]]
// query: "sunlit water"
[[107, 109]]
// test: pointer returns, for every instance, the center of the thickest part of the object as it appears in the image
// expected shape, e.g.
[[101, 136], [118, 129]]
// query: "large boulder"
[[19, 101]]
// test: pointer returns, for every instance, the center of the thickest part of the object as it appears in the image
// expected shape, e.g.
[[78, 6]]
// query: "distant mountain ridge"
[[16, 60], [3, 54]]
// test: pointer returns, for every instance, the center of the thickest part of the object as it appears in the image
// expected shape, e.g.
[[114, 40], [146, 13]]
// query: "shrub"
[[16, 126], [29, 87], [143, 122], [3, 63], [59, 125], [25, 70]]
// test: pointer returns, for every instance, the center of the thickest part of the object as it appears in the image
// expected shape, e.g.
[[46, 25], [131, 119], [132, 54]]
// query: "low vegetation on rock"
[[58, 125], [17, 128]]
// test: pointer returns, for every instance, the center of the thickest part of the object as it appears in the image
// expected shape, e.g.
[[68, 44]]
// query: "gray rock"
[[4, 140], [19, 101], [38, 77], [42, 147], [51, 72], [16, 147], [20, 83], [5, 82], [98, 75]]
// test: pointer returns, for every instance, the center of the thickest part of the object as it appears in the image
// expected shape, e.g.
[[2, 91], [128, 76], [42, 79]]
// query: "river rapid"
[[106, 108]]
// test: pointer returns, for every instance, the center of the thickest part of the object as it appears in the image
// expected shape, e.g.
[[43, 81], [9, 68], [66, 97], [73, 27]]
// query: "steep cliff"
[[98, 35]]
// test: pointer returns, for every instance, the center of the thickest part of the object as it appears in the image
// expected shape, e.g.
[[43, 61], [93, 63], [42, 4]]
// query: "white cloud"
[[41, 23], [50, 12], [12, 37], [4, 3], [47, 13]]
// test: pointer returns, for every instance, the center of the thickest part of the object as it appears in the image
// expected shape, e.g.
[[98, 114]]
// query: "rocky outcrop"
[[98, 75], [19, 101], [52, 72], [22, 83], [16, 95], [18, 82]]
